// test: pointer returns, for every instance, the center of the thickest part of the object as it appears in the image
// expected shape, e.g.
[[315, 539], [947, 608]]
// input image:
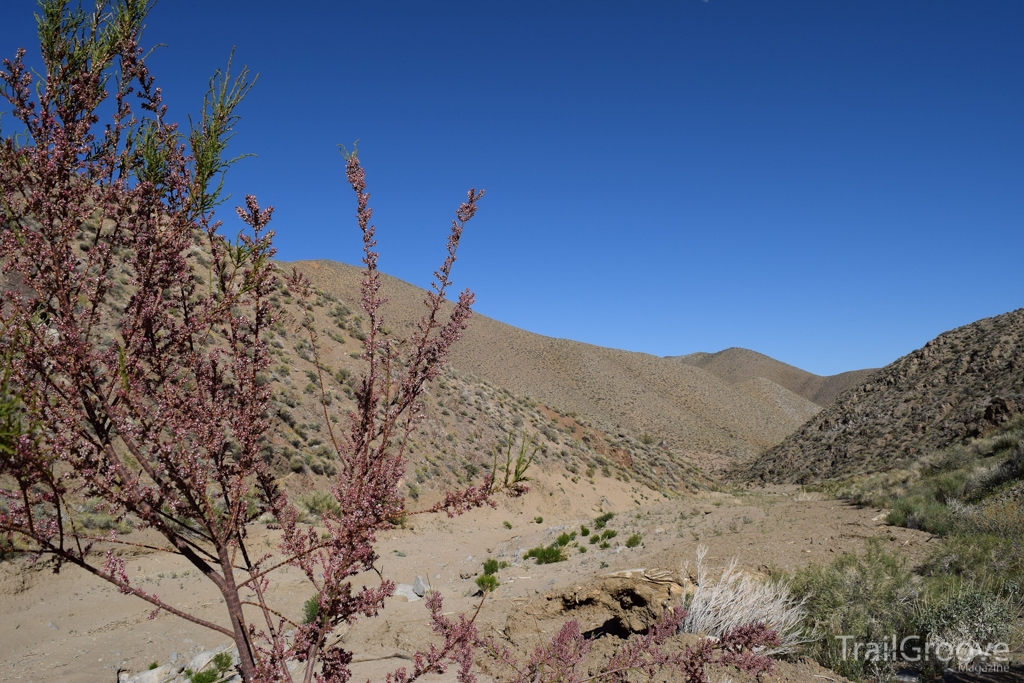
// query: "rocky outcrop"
[[962, 384], [619, 603]]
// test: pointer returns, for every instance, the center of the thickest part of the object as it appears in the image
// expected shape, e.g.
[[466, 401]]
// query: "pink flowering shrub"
[[131, 336]]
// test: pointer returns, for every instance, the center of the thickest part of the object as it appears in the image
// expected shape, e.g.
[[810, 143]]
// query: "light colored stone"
[[419, 586], [201, 660], [404, 591]]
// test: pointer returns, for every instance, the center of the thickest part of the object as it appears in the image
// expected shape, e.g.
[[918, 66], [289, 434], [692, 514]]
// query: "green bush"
[[992, 561], [596, 538], [507, 524], [869, 597], [491, 566], [221, 662], [94, 515], [538, 519], [600, 522], [634, 540], [318, 503], [310, 610], [919, 512], [966, 612], [487, 582], [609, 533], [584, 531], [546, 555]]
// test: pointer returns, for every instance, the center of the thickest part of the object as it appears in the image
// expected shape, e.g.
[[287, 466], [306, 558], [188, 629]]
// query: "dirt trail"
[[74, 628]]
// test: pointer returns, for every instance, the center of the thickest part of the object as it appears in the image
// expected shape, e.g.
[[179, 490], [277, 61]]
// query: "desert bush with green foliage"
[[875, 596], [320, 503], [869, 597], [488, 583], [972, 495], [546, 554], [215, 671]]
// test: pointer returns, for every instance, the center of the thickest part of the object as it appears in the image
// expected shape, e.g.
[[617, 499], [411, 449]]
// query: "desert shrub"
[[735, 599], [920, 513], [318, 503], [310, 609], [491, 566], [546, 554], [538, 519], [609, 534], [584, 531], [869, 597], [596, 538], [487, 582], [991, 479], [994, 562], [634, 540], [95, 515], [216, 671], [998, 518], [507, 524], [965, 613]]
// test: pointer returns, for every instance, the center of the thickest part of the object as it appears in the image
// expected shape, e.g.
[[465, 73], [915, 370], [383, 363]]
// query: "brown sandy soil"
[[73, 628]]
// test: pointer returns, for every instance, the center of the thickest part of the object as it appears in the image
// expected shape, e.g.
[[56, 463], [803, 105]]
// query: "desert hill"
[[736, 365], [961, 384], [690, 411]]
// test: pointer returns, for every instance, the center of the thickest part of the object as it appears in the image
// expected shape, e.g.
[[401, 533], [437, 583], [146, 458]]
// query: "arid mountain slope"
[[687, 408], [738, 365], [961, 384]]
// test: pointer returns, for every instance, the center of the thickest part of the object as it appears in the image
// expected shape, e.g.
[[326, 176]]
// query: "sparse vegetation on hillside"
[[738, 366], [971, 586], [973, 496], [681, 409], [962, 384]]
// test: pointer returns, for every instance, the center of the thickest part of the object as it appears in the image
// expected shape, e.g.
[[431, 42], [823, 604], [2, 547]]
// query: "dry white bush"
[[737, 599]]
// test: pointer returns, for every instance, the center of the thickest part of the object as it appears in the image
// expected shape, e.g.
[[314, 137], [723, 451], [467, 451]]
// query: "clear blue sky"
[[830, 183]]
